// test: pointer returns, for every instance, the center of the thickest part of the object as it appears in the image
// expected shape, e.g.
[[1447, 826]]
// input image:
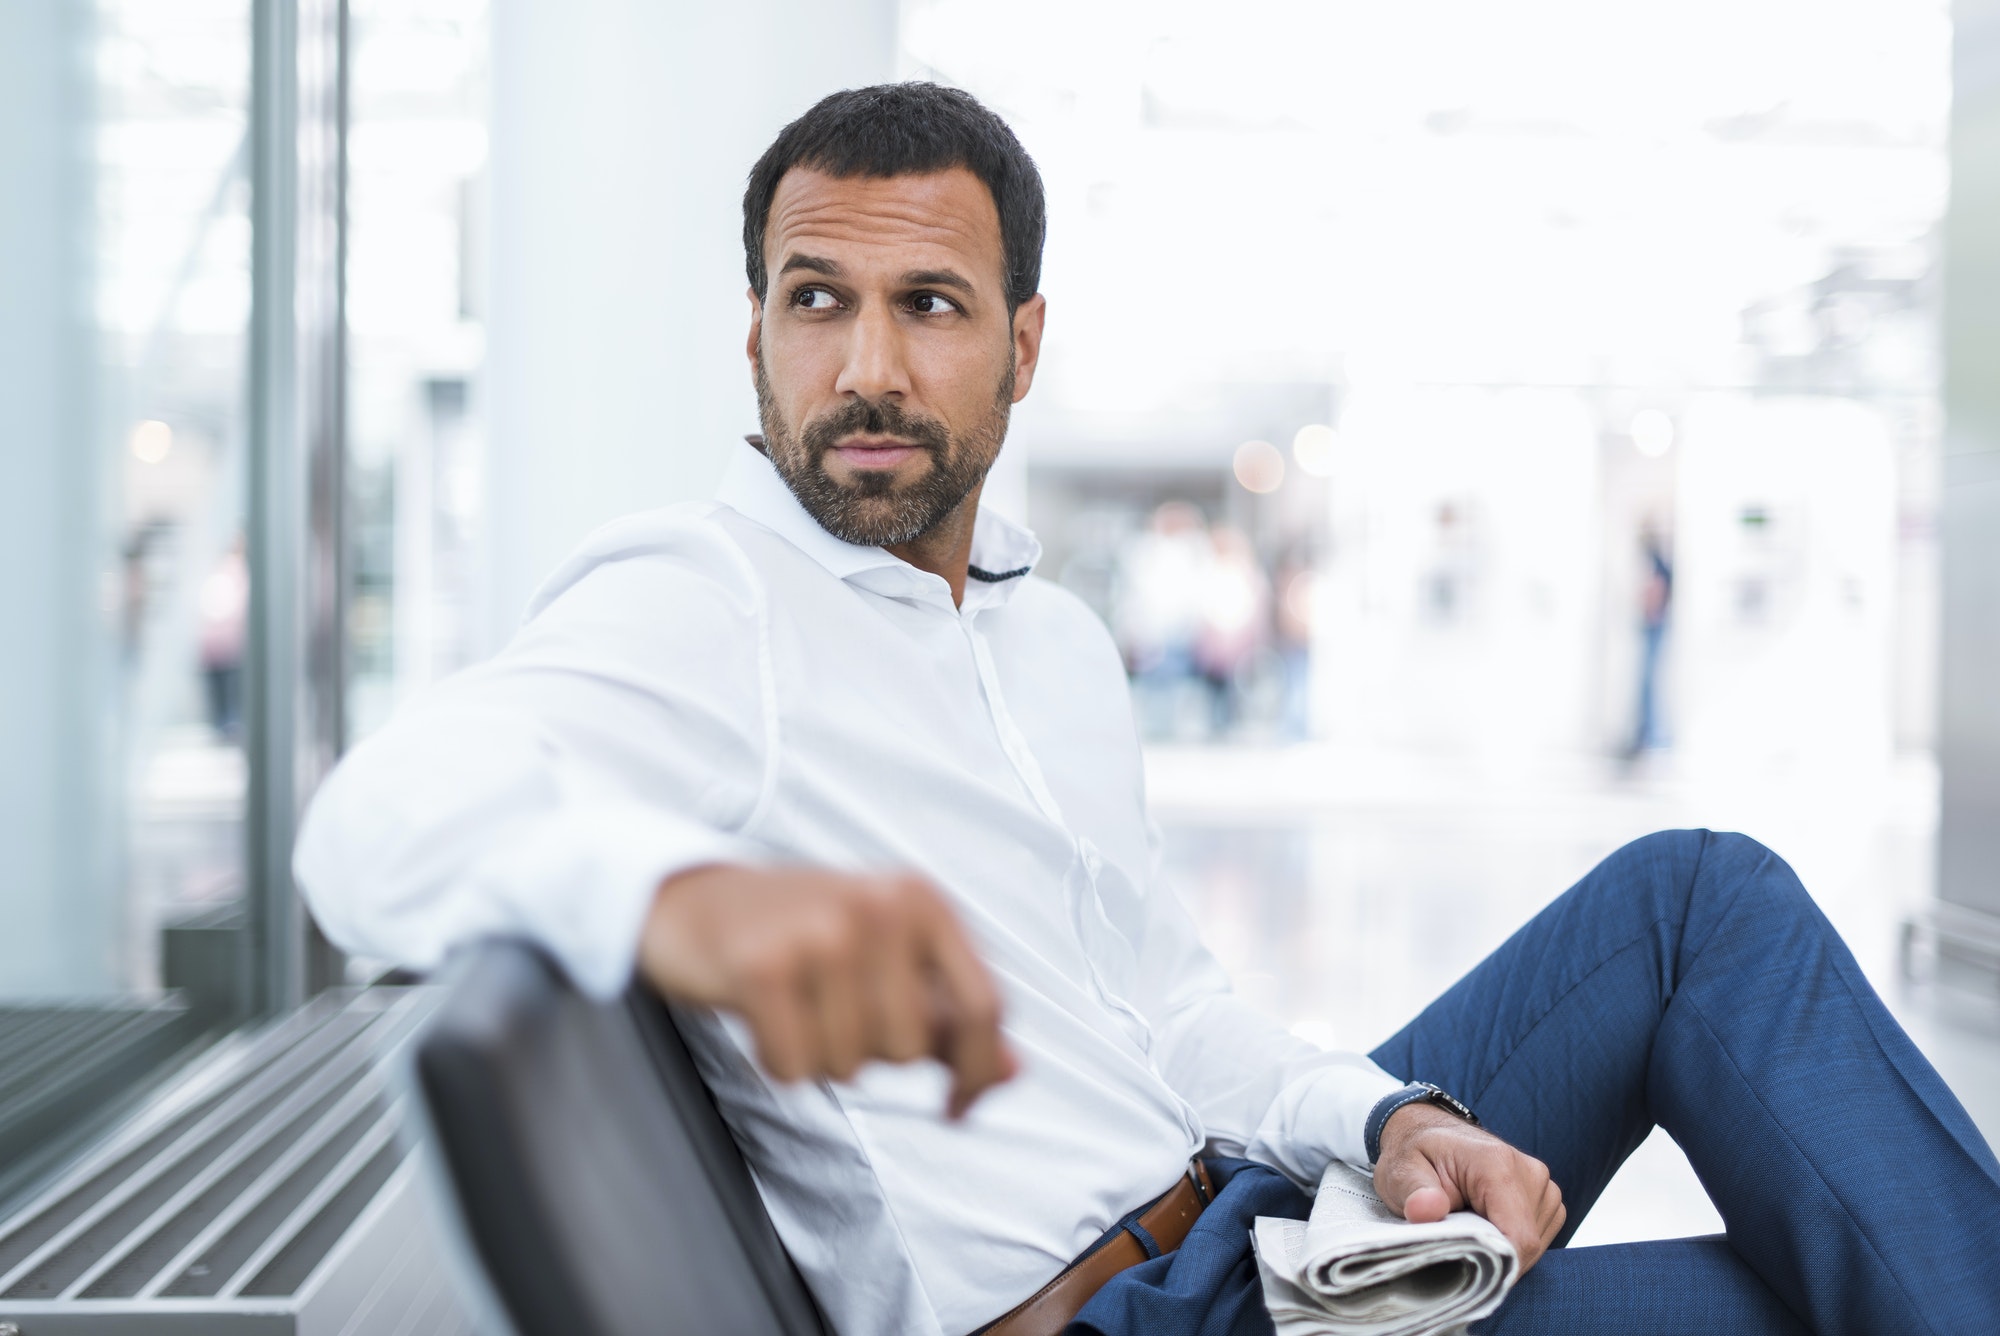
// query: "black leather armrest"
[[597, 1188]]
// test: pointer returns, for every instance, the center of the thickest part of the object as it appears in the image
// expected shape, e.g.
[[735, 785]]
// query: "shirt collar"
[[1003, 552]]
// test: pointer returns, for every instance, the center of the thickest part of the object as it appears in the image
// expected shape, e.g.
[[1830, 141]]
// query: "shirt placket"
[[1095, 934], [1088, 920]]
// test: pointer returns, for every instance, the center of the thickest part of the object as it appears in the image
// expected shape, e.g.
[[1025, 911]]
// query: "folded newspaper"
[[1356, 1268]]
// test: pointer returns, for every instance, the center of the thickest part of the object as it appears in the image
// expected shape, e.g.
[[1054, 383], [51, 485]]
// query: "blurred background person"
[[1161, 580], [1294, 638], [225, 613], [1656, 594], [1234, 600]]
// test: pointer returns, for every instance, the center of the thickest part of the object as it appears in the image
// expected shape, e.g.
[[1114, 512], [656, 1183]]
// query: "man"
[[832, 769]]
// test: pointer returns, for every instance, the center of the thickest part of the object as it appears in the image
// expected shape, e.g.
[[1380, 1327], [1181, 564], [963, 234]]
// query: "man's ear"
[[756, 330], [1028, 318]]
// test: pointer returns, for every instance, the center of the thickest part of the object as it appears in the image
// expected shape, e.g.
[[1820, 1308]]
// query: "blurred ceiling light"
[[1652, 432], [1313, 449], [1259, 466], [152, 441], [1299, 598]]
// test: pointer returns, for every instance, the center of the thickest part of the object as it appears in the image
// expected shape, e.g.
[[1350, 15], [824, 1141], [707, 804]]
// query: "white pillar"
[[58, 898], [622, 134], [1969, 723]]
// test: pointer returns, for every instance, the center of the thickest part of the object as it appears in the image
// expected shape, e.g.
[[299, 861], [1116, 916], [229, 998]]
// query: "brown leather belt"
[[1167, 1220]]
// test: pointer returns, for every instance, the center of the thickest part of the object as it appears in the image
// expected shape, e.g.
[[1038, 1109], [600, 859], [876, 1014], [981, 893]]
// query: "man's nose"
[[875, 365]]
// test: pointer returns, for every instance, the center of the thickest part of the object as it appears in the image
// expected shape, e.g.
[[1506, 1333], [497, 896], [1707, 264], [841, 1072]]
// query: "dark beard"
[[873, 511]]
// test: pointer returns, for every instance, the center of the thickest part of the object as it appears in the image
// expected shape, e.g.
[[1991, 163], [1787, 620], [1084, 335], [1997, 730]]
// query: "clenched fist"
[[830, 970], [1434, 1163]]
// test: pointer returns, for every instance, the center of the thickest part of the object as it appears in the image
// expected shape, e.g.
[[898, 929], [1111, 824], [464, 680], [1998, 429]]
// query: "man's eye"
[[929, 303], [814, 299]]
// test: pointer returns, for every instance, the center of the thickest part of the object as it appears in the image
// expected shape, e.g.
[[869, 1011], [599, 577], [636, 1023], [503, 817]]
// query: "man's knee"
[[1699, 873], [1656, 873], [1737, 865], [1673, 852], [1738, 886]]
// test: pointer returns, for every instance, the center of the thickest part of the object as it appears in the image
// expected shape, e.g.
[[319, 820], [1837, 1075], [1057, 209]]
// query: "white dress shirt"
[[728, 681]]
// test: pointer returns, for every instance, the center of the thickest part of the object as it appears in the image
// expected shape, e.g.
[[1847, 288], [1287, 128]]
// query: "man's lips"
[[875, 452]]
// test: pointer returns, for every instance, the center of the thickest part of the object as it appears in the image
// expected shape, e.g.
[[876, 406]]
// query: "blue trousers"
[[1690, 983]]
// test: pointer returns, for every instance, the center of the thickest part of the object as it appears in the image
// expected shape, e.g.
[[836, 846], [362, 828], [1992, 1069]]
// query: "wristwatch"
[[1416, 1092]]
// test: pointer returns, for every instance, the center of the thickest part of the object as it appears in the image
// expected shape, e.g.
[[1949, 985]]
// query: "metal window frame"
[[296, 671]]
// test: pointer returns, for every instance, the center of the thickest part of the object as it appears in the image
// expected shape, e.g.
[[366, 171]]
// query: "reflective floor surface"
[[1345, 890]]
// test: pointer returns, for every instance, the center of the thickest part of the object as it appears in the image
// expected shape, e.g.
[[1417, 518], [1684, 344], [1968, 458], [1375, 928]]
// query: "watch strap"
[[1416, 1092]]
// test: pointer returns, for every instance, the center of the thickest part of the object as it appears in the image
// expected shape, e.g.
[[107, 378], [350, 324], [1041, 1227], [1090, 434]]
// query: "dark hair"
[[903, 129]]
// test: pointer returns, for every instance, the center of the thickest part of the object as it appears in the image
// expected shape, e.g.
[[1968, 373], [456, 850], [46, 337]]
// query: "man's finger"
[[836, 1005], [1554, 1214], [898, 1020], [970, 1042], [779, 1022], [1411, 1185], [1506, 1204], [1426, 1205]]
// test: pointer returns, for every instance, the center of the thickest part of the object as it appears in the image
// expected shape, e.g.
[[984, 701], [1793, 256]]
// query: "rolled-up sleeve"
[[623, 736]]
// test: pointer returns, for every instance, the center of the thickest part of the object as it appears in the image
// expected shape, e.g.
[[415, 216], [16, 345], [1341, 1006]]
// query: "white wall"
[[622, 134], [1969, 726]]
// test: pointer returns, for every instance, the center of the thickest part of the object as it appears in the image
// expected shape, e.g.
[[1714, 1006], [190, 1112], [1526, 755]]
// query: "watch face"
[[1449, 1103]]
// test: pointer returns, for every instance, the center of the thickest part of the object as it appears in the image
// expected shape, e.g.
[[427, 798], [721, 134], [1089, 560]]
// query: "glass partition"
[[172, 301], [124, 690], [124, 306]]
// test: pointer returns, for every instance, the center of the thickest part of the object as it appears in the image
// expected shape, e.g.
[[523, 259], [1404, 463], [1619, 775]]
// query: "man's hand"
[[830, 970], [1434, 1163]]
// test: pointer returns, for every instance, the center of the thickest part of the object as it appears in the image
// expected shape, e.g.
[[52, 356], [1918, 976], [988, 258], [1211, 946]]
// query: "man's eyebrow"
[[939, 278], [812, 264]]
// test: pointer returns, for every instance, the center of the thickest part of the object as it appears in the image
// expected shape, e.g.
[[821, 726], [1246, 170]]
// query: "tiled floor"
[[1346, 890]]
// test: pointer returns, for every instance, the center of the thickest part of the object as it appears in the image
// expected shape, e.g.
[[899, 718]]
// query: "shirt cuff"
[[1321, 1116]]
